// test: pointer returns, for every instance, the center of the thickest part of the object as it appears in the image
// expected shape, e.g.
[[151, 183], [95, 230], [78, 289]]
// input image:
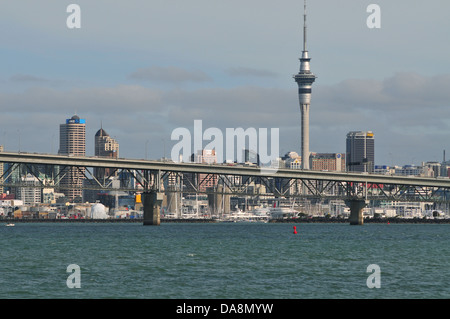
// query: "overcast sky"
[[144, 68]]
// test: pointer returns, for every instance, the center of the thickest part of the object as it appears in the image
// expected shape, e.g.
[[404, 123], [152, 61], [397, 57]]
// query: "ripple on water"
[[225, 261]]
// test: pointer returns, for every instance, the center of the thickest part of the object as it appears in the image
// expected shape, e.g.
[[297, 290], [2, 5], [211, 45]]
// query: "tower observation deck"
[[305, 78]]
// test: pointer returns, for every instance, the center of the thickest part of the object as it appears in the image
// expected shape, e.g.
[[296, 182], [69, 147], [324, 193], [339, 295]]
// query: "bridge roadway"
[[219, 169], [152, 199]]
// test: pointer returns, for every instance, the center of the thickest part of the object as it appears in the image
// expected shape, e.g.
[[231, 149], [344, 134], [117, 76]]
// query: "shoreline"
[[286, 221]]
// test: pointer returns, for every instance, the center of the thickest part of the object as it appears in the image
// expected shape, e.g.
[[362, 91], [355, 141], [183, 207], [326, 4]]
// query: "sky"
[[142, 69]]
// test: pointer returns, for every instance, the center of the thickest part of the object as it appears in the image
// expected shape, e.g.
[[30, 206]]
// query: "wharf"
[[304, 220], [104, 220], [391, 220]]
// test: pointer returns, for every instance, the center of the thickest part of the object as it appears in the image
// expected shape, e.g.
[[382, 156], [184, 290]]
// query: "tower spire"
[[304, 27]]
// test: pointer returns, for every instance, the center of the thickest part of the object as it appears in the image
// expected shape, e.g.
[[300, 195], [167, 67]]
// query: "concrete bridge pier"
[[152, 207], [356, 210]]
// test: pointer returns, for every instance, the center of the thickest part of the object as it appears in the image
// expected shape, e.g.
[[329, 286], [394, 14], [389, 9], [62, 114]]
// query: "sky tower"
[[305, 79]]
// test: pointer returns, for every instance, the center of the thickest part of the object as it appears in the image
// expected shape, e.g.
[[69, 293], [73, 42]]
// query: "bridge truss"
[[139, 176]]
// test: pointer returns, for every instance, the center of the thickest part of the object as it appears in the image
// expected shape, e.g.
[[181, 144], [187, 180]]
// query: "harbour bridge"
[[155, 177]]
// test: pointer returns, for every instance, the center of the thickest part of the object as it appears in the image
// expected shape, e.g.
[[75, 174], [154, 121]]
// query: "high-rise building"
[[305, 78], [360, 151], [205, 180], [251, 157], [327, 162], [105, 146], [72, 142]]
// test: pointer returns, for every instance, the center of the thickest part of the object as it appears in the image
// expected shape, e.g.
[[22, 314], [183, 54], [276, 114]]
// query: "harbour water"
[[224, 260]]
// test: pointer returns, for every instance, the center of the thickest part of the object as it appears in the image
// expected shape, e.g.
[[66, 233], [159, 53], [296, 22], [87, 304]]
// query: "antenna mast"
[[304, 27]]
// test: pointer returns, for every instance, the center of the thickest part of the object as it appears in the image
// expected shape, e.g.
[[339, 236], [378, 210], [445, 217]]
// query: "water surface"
[[221, 260]]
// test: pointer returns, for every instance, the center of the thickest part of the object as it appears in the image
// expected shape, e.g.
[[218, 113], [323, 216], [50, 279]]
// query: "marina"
[[199, 211]]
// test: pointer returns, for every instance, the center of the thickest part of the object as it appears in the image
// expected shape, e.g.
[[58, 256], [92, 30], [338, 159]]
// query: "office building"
[[360, 151], [251, 157], [333, 162], [105, 146], [72, 142], [29, 195]]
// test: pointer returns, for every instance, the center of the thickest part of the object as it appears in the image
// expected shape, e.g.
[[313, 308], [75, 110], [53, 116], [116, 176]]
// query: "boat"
[[240, 216], [10, 225], [283, 213]]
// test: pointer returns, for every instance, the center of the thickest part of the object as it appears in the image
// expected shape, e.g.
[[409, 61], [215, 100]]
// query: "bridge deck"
[[220, 169]]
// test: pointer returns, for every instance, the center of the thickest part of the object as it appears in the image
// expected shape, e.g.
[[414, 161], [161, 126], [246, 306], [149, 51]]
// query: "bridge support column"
[[356, 211], [152, 206]]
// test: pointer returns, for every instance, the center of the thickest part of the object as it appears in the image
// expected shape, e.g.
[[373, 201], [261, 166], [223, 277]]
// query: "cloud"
[[416, 89], [246, 106], [95, 100], [244, 71], [169, 74], [409, 120], [26, 78], [408, 112], [401, 93]]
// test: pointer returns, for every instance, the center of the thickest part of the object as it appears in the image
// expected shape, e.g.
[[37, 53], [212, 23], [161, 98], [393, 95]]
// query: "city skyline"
[[157, 68]]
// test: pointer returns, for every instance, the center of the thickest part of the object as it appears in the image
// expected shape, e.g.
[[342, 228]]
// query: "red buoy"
[[295, 230]]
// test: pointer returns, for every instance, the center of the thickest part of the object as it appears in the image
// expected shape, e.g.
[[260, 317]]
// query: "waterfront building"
[[295, 164], [327, 162], [360, 151], [48, 196], [445, 169], [292, 160], [404, 209], [383, 170], [413, 170], [305, 78], [426, 170], [72, 142], [435, 167], [28, 194]]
